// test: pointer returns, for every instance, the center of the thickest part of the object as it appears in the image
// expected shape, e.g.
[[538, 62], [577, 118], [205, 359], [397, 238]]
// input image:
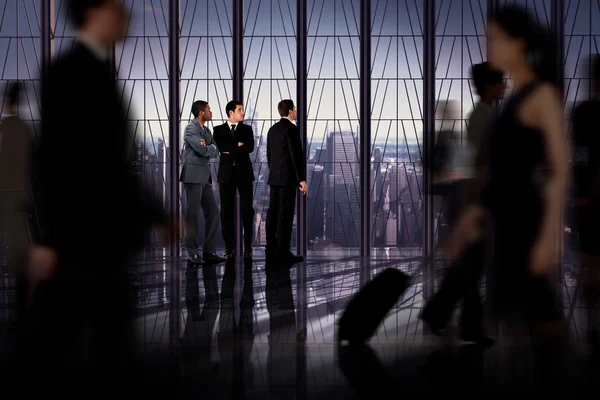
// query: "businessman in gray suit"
[[198, 149]]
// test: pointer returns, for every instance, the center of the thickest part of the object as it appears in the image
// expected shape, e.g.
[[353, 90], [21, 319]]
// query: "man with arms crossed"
[[235, 141], [198, 149]]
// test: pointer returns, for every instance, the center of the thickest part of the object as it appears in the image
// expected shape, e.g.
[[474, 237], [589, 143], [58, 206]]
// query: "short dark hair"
[[77, 10], [484, 75], [231, 106], [197, 107], [284, 107], [13, 90]]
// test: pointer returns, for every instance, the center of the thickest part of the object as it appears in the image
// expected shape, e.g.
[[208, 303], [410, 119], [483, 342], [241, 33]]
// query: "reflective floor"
[[247, 330], [272, 333]]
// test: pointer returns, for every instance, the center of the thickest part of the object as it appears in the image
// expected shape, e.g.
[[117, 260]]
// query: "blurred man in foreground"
[[95, 213]]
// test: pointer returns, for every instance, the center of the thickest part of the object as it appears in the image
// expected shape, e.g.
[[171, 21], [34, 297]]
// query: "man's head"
[[287, 109], [13, 92], [488, 81], [201, 111], [235, 111], [104, 20], [593, 74]]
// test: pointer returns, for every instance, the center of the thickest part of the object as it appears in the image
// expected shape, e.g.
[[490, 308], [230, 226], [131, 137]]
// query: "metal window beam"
[[174, 146], [238, 94], [365, 129], [428, 145]]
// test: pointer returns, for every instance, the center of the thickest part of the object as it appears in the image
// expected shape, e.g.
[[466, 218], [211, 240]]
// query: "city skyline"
[[333, 81]]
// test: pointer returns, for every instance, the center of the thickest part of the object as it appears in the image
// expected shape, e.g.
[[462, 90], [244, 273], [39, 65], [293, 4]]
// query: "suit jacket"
[[196, 158], [285, 156], [15, 155], [240, 155], [93, 204]]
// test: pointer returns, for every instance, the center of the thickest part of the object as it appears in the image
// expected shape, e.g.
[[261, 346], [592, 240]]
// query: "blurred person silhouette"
[[587, 193], [95, 214], [463, 275], [489, 86], [16, 146], [451, 159], [523, 192]]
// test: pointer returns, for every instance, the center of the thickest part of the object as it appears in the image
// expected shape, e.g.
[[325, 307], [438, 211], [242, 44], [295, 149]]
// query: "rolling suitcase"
[[367, 309]]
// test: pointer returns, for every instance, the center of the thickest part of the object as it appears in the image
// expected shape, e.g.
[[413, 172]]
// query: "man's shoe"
[[214, 258], [289, 257], [196, 259], [248, 252], [229, 254]]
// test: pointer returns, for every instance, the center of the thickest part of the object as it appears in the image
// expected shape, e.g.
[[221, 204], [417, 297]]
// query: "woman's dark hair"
[[517, 23], [483, 75]]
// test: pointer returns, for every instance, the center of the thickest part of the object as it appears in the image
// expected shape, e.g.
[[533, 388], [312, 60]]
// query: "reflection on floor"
[[268, 331], [319, 290]]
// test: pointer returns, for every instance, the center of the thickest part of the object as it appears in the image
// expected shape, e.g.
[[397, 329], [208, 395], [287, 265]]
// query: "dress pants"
[[227, 193], [463, 275], [198, 196], [13, 221], [461, 281], [80, 326], [280, 218]]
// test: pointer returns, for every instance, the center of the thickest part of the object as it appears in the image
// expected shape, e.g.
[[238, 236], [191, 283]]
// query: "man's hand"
[[165, 232], [41, 267], [303, 187], [543, 257], [202, 142], [465, 230], [42, 263], [240, 144]]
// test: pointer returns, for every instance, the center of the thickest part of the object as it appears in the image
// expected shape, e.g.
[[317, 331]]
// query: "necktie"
[[232, 130]]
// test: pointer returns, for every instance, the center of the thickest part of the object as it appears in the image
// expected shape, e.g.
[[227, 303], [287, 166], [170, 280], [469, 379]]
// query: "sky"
[[270, 53]]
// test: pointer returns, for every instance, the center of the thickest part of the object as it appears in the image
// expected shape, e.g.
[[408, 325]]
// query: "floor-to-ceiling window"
[[397, 125], [460, 43], [142, 78], [333, 209], [205, 54], [581, 44], [141, 66], [396, 191], [269, 76]]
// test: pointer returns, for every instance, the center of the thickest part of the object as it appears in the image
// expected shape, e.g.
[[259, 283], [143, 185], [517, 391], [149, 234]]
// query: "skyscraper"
[[343, 197]]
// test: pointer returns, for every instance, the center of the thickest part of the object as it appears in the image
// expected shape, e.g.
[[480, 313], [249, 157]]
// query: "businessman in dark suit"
[[287, 172], [235, 141], [95, 215], [198, 149]]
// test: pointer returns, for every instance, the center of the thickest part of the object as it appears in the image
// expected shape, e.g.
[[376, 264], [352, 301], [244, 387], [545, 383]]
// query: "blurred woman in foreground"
[[526, 173]]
